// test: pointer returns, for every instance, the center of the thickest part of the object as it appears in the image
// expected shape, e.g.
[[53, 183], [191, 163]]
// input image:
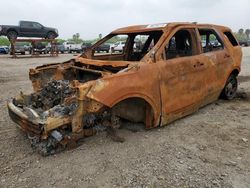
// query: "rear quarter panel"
[[235, 53]]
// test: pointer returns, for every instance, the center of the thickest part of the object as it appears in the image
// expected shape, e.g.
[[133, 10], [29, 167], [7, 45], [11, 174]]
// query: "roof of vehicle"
[[163, 26]]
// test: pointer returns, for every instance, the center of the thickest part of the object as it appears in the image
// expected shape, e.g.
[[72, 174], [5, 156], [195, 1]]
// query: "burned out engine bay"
[[55, 96]]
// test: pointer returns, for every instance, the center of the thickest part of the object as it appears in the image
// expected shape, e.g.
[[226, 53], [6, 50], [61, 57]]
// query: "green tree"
[[241, 31], [247, 32], [76, 38], [60, 41], [4, 41], [241, 36]]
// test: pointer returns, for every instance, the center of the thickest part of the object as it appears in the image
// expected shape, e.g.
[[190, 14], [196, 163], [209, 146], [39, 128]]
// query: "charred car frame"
[[179, 68]]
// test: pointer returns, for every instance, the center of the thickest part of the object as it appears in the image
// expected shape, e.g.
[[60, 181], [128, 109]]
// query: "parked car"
[[28, 29], [118, 46], [4, 50], [27, 47], [103, 48], [85, 46], [39, 48], [154, 86], [19, 48], [59, 48], [72, 47], [245, 43]]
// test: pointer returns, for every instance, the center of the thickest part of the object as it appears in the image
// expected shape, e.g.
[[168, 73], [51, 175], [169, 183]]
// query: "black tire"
[[12, 35], [230, 89], [51, 35]]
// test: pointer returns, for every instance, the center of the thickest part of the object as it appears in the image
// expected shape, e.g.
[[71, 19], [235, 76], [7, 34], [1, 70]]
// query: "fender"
[[112, 90]]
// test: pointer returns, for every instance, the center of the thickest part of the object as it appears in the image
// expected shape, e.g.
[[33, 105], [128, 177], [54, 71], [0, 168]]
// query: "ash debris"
[[60, 110], [52, 94]]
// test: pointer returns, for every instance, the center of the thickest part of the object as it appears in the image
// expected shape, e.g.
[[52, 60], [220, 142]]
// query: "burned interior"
[[137, 45]]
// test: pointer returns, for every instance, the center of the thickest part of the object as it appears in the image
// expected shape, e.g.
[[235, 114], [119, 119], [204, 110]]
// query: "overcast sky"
[[91, 17]]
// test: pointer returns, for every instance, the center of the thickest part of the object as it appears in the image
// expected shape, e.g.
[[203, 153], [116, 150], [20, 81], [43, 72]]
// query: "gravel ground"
[[207, 149]]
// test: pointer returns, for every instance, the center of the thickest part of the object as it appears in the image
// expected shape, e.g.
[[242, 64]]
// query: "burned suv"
[[179, 68]]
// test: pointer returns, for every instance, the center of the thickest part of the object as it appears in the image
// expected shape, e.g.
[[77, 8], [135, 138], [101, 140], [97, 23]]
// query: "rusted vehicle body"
[[179, 68]]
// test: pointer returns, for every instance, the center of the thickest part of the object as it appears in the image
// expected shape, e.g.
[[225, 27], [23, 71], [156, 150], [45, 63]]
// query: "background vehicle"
[[118, 46], [85, 46], [19, 48], [28, 29], [60, 48], [103, 48], [27, 47], [39, 48], [72, 47], [4, 49], [244, 43]]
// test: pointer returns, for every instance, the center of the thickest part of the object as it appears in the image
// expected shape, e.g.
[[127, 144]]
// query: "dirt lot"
[[207, 149]]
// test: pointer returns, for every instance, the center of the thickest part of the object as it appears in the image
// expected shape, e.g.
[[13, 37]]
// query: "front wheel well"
[[136, 110], [49, 33]]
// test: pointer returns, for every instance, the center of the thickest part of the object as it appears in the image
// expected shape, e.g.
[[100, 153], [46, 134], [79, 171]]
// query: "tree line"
[[242, 35]]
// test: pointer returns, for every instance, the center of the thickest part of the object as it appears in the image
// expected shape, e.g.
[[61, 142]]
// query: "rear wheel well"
[[235, 72], [135, 110], [12, 37], [11, 30]]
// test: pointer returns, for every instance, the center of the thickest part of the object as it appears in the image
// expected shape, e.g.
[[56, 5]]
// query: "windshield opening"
[[125, 47]]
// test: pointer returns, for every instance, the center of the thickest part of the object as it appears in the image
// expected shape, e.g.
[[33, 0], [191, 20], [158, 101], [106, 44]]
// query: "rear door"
[[219, 61], [182, 75], [26, 29]]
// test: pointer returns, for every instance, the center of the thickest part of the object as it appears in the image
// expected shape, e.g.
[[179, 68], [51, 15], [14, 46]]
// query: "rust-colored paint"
[[170, 88]]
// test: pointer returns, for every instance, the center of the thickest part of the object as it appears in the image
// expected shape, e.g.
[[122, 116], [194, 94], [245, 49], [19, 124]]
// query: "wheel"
[[51, 35], [230, 88], [12, 35]]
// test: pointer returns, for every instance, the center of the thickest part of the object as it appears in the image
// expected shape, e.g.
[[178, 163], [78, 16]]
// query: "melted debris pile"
[[52, 94]]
